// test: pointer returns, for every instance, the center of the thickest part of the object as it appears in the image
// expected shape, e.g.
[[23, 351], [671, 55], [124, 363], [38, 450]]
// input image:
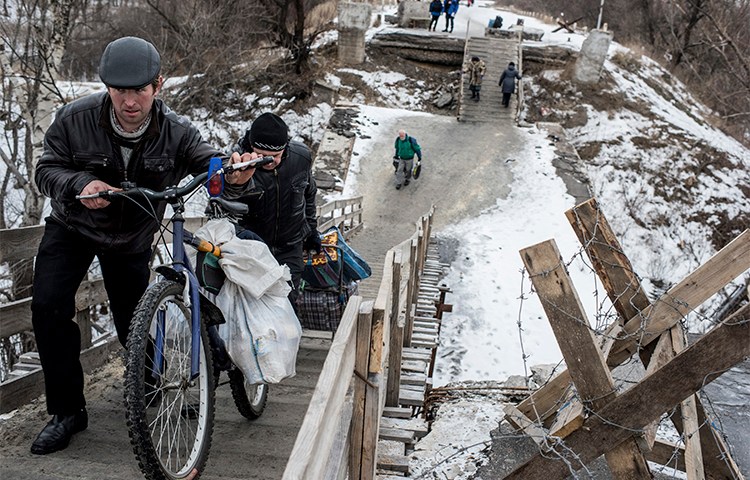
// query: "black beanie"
[[268, 132]]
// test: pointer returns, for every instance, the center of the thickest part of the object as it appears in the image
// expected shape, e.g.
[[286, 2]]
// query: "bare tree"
[[30, 54], [296, 25]]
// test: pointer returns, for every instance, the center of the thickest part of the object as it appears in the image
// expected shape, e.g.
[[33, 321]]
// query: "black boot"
[[57, 433]]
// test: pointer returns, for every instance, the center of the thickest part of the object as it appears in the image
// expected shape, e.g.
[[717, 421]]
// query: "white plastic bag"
[[262, 332]]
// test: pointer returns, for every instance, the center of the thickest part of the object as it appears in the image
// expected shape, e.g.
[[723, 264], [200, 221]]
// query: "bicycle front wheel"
[[169, 414]]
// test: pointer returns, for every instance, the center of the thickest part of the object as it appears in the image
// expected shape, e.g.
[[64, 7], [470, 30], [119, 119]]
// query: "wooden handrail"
[[378, 341], [312, 449]]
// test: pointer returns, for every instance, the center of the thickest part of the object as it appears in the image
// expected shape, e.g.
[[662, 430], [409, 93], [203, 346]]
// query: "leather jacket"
[[282, 200], [80, 146]]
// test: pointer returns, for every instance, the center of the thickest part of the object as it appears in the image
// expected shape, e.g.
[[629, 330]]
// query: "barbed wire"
[[606, 315]]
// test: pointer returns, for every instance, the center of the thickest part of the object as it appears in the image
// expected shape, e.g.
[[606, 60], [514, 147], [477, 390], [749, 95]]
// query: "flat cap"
[[129, 62]]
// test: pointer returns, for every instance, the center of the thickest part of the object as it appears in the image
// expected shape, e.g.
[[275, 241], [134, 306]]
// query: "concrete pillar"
[[591, 59], [354, 19]]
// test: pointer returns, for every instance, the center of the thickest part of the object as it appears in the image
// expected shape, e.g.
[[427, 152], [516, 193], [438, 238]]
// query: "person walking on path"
[[95, 144], [508, 82], [406, 147], [436, 9], [450, 7], [281, 200], [475, 69]]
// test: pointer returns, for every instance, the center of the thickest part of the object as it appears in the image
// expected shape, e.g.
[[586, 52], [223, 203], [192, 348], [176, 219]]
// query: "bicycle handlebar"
[[130, 189]]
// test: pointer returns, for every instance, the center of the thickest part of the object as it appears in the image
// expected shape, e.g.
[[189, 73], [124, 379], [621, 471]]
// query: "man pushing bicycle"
[[96, 143]]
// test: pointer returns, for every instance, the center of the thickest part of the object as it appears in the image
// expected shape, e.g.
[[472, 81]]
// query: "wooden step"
[[414, 379], [397, 435], [394, 463], [397, 412], [410, 397], [416, 425]]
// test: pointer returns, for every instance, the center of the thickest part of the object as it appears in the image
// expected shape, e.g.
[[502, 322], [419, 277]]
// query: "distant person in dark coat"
[[436, 9], [508, 82], [450, 7]]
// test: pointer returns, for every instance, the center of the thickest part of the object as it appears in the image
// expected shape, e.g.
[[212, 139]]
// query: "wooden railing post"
[[357, 447], [397, 334], [411, 292]]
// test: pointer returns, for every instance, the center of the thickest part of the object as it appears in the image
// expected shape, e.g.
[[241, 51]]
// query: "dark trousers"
[[291, 255], [433, 22], [448, 22], [506, 98], [62, 262]]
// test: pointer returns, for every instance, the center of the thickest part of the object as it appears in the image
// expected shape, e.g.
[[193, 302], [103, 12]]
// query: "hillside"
[[673, 187]]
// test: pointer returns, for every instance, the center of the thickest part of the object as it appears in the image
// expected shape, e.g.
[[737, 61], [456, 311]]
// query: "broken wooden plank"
[[717, 351], [609, 261], [726, 265], [569, 416], [522, 422], [578, 345]]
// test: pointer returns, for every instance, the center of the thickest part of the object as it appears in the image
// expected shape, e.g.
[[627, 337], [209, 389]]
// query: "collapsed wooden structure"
[[574, 426]]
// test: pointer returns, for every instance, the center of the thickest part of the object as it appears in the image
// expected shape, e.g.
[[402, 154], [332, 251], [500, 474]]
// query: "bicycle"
[[174, 352]]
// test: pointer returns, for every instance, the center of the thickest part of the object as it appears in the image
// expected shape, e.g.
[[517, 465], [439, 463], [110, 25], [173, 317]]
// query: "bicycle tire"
[[170, 420], [250, 399]]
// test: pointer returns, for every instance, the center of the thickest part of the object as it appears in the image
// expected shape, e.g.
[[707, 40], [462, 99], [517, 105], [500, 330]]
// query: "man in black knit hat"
[[282, 201]]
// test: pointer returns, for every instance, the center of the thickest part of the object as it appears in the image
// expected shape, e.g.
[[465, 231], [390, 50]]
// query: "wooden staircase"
[[496, 53]]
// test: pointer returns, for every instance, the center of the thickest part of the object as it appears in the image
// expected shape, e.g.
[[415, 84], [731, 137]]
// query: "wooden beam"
[[726, 265], [609, 261], [578, 345], [691, 427], [718, 350], [380, 330], [569, 323], [372, 427]]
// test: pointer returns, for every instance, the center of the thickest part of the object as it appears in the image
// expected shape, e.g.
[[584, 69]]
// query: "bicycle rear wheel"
[[250, 399], [169, 415]]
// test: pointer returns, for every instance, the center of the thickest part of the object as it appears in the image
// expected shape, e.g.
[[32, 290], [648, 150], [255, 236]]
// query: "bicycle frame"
[[180, 269]]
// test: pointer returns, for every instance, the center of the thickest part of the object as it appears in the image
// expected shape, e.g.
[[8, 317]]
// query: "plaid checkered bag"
[[322, 309]]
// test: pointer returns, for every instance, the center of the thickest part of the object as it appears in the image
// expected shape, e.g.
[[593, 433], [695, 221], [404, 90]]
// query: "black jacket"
[[80, 146], [282, 200]]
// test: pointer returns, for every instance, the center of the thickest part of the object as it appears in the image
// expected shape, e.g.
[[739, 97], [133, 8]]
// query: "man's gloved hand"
[[312, 243]]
